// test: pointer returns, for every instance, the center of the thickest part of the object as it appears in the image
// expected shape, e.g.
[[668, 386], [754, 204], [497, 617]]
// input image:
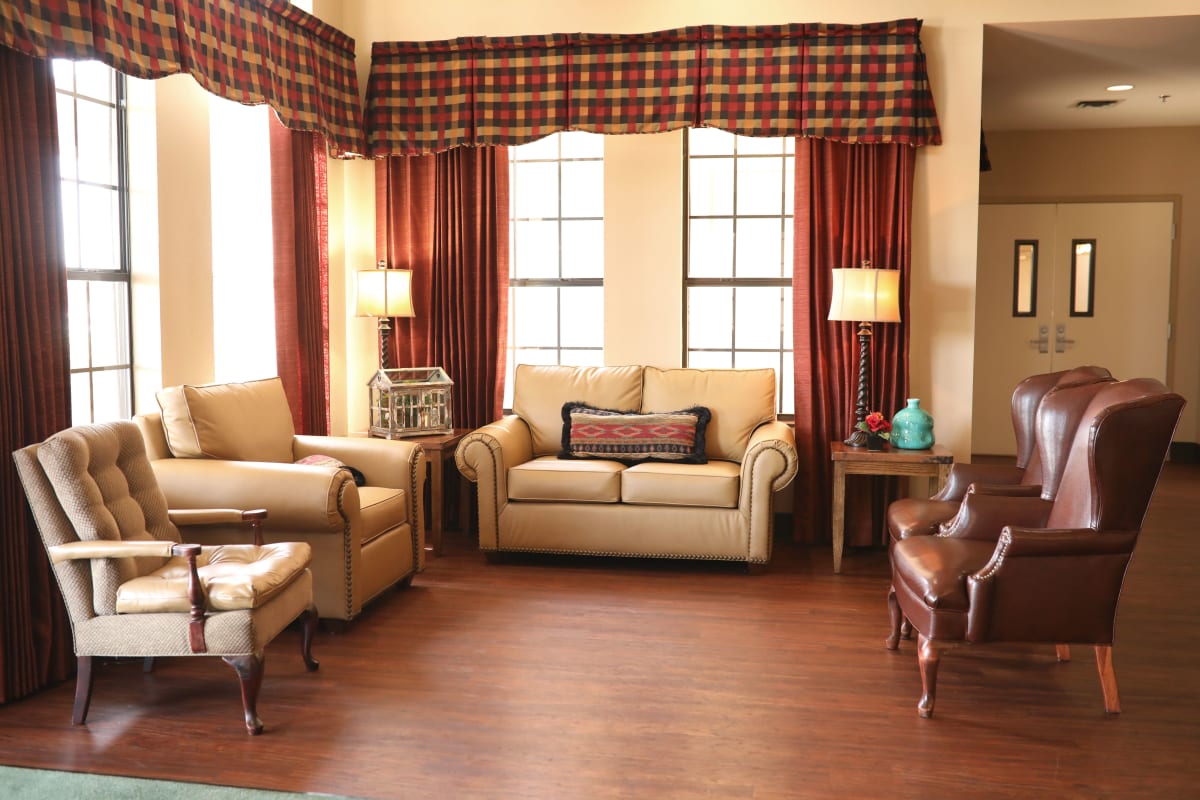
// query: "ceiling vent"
[[1096, 103]]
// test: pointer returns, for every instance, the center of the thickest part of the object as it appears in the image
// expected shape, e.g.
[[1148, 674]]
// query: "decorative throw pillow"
[[330, 461], [632, 438]]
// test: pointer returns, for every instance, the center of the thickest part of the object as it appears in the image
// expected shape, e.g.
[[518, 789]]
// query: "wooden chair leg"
[[928, 656], [250, 672], [1108, 679], [896, 618], [310, 627], [148, 664], [83, 689], [1063, 651]]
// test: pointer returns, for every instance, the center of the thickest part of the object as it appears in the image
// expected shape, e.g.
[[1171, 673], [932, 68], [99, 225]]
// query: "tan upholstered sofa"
[[233, 445], [532, 500]]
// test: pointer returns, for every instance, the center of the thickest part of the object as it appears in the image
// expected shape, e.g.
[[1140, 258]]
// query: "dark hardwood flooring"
[[564, 678]]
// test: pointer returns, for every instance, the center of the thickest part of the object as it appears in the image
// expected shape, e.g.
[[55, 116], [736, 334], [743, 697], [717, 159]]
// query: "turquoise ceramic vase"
[[912, 427]]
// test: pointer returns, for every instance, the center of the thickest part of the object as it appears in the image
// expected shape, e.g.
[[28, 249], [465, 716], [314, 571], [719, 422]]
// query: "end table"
[[438, 447]]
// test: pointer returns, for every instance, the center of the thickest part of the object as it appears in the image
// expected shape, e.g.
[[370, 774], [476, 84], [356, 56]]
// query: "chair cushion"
[[549, 478], [248, 421], [234, 577], [935, 568], [631, 438], [540, 391], [383, 509], [711, 485], [740, 400]]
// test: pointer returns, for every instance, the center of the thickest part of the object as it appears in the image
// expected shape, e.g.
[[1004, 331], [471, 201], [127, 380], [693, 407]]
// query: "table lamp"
[[864, 295], [384, 293]]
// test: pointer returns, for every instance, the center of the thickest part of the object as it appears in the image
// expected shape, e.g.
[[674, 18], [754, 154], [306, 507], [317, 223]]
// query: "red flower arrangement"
[[876, 424]]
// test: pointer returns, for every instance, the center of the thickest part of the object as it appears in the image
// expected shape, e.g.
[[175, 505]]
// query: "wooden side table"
[[438, 448], [934, 463]]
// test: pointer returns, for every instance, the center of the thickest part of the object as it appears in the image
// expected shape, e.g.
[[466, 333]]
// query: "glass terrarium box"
[[411, 401]]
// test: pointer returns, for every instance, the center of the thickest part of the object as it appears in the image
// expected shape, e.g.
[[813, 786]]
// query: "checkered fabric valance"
[[852, 83], [249, 51]]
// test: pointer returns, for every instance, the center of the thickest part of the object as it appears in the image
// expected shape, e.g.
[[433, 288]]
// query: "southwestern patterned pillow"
[[632, 438]]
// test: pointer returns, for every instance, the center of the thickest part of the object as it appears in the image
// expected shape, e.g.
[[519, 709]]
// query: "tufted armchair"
[[233, 444], [131, 587], [1027, 569]]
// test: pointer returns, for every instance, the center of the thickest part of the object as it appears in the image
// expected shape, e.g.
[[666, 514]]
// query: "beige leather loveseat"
[[233, 445], [532, 500]]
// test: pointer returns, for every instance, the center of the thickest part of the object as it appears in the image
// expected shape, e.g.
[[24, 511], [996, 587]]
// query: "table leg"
[[839, 513], [435, 500]]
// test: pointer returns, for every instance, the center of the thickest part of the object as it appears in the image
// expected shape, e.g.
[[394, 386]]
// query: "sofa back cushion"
[[739, 400], [248, 421], [539, 393]]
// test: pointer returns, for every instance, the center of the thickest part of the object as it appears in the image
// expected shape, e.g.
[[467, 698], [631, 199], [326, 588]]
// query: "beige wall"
[[643, 202], [1132, 164]]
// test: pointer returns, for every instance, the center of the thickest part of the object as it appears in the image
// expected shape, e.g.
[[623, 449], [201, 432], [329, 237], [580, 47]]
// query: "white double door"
[[1065, 285]]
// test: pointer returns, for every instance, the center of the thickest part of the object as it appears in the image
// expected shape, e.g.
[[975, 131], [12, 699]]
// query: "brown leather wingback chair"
[[1024, 569], [921, 516]]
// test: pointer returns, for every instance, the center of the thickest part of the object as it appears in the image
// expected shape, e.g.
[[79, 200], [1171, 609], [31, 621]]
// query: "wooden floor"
[[606, 679]]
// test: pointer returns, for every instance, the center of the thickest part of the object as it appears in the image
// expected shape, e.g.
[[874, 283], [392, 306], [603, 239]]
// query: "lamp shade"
[[385, 293], [865, 295]]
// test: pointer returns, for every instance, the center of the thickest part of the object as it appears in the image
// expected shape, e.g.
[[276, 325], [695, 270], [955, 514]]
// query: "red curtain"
[[35, 400], [300, 229], [445, 217], [853, 202]]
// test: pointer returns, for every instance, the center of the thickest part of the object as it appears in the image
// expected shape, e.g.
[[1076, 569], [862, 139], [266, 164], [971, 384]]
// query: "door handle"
[[1043, 340], [1060, 339]]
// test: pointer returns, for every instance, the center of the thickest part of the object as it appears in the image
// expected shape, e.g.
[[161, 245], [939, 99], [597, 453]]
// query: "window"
[[556, 262], [95, 197], [738, 254]]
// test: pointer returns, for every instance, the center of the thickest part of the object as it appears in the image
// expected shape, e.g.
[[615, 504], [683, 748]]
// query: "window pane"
[[77, 323], [536, 316], [81, 398], [64, 75], [760, 144], [110, 323], [585, 197], [536, 187], [787, 385], [98, 149], [760, 248], [582, 316], [66, 135], [710, 317], [707, 359], [591, 357], [111, 389], [709, 141], [759, 313], [581, 144], [789, 188], [70, 209], [535, 249], [544, 148], [99, 239], [760, 186], [93, 79], [710, 186], [710, 248], [583, 249]]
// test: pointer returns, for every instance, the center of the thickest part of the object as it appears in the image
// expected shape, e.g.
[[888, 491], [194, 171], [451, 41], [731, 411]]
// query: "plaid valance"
[[249, 51], [851, 83]]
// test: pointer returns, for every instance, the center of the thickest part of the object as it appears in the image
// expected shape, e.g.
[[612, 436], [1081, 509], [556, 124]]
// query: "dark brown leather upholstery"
[[1035, 569], [921, 517]]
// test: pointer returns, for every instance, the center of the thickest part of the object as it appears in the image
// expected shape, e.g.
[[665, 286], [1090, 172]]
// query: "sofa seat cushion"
[[382, 510], [712, 485], [552, 479], [234, 577]]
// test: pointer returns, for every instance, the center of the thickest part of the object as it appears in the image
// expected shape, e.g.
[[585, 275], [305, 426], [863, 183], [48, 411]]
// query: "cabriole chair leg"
[[895, 617], [310, 627], [250, 672], [928, 656], [83, 689], [1108, 679]]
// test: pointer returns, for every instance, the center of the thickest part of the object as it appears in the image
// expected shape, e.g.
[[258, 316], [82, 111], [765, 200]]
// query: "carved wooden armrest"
[[220, 516], [195, 597]]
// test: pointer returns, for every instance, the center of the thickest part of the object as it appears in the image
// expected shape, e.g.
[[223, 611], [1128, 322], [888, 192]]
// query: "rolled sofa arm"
[[393, 463], [296, 496], [769, 465], [484, 456]]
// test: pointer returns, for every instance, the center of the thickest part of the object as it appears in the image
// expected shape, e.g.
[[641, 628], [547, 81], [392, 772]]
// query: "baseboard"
[[1185, 452]]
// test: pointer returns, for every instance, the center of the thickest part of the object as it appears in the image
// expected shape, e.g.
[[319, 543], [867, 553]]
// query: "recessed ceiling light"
[[1120, 87]]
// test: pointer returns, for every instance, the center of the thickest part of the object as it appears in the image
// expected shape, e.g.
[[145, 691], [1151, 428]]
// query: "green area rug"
[[36, 784]]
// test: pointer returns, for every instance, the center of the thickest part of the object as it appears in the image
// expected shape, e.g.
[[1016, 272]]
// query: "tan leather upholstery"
[[247, 421], [363, 539], [1032, 569], [126, 579], [529, 500]]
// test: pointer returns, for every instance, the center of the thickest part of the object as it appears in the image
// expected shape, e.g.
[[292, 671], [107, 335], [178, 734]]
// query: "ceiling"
[[1035, 73]]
